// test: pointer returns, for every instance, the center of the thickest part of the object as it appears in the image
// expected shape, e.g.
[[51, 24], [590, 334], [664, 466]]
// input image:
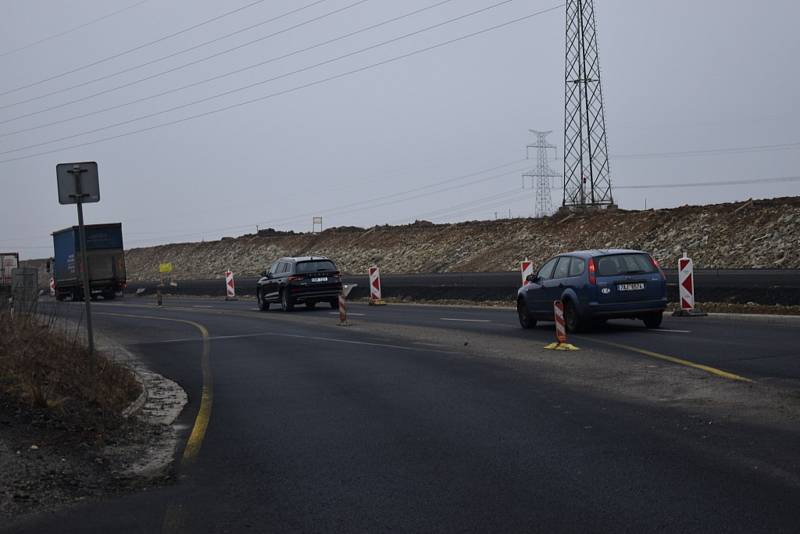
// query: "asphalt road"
[[317, 428]]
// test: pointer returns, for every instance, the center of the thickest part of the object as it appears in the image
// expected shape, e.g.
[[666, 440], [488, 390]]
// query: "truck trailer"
[[105, 256]]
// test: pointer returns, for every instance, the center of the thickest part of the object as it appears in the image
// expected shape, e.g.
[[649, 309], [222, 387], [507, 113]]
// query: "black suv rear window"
[[619, 264], [315, 266]]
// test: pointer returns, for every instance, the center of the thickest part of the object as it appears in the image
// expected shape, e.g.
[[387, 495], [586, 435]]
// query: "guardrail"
[[762, 286]]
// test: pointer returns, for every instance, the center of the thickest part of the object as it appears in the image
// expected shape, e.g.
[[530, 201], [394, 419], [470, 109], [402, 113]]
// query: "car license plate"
[[322, 279], [630, 287]]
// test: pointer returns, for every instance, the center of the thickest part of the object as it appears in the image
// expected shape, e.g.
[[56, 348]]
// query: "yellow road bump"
[[680, 361], [560, 346]]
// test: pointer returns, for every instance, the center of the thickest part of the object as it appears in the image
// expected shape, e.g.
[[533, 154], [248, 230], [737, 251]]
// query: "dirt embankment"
[[754, 234]]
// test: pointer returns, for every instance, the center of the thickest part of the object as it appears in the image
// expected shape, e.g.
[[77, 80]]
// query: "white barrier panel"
[[375, 286], [561, 329], [230, 290], [526, 268], [52, 287], [342, 310], [686, 282]]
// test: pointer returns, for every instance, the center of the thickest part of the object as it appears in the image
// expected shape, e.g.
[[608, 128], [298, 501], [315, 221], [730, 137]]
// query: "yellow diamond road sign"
[[165, 268]]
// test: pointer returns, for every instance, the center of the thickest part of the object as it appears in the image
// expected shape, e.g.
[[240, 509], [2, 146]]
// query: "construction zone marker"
[[686, 289], [375, 287], [526, 268], [346, 289], [230, 289], [561, 329]]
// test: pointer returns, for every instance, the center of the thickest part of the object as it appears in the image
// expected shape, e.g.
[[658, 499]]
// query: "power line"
[[135, 48], [173, 54], [278, 93], [74, 28], [779, 179], [206, 80], [710, 151]]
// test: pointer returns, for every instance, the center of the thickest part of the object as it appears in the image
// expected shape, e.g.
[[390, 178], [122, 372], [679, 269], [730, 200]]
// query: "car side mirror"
[[532, 278], [264, 274]]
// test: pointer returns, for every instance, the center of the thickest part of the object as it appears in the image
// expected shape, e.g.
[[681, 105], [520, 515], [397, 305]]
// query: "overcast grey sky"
[[404, 140]]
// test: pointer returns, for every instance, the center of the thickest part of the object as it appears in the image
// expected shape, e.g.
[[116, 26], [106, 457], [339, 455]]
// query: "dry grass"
[[45, 368]]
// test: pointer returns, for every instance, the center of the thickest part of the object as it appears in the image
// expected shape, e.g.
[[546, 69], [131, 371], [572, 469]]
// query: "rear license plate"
[[630, 287], [322, 279]]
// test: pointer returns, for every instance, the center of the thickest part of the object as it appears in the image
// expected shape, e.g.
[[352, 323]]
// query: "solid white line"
[[349, 313], [671, 331], [465, 320]]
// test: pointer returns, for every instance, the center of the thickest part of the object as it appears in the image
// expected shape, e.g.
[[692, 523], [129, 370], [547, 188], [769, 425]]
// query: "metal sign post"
[[83, 187]]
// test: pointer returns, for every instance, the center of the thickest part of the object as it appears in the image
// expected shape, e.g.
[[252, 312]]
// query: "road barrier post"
[[52, 287], [686, 289], [375, 287], [526, 268], [346, 289], [561, 329], [230, 289]]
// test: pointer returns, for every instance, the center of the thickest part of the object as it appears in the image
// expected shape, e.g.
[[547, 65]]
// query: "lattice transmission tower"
[[587, 175], [542, 176]]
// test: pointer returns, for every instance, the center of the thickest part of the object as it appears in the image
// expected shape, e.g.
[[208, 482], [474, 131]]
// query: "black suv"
[[306, 280]]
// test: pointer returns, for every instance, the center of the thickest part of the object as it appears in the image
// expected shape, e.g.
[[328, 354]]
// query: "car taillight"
[[592, 272], [295, 278], [657, 266]]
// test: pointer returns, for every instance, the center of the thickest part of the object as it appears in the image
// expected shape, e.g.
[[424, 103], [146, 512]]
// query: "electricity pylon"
[[542, 176]]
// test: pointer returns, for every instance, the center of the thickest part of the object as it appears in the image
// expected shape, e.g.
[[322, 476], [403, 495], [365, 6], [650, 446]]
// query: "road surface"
[[456, 420]]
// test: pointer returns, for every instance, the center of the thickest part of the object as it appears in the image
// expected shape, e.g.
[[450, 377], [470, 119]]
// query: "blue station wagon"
[[595, 285]]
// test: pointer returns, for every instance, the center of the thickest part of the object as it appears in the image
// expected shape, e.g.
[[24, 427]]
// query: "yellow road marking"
[[195, 440], [673, 359]]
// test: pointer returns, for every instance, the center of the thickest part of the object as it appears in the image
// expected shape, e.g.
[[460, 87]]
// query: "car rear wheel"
[[653, 320], [334, 303], [572, 320], [263, 305], [287, 302], [525, 319], [311, 304]]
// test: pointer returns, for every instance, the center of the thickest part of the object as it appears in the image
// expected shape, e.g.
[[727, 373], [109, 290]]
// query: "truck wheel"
[[109, 295]]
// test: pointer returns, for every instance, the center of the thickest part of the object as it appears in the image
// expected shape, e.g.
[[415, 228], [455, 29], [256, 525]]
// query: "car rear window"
[[315, 266], [619, 264]]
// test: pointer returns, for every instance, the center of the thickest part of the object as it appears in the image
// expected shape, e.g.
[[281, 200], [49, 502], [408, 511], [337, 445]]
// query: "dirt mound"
[[753, 234]]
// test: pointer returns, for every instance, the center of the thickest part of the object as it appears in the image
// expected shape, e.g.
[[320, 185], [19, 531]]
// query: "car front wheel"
[[525, 319], [653, 320], [263, 305]]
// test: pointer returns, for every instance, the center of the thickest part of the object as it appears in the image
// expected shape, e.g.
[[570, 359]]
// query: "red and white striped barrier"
[[686, 289], [342, 310], [526, 268], [230, 289], [561, 329], [52, 287], [686, 282], [375, 287]]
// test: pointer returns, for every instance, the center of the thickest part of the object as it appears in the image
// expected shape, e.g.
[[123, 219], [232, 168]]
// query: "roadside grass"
[[46, 369]]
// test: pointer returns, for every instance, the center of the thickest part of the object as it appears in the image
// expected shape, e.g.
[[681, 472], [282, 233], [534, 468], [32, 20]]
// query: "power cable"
[[707, 152], [779, 179], [194, 84], [134, 49], [278, 93], [174, 54], [74, 28]]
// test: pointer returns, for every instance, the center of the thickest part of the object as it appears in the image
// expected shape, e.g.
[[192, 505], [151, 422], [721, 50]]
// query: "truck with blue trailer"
[[105, 256]]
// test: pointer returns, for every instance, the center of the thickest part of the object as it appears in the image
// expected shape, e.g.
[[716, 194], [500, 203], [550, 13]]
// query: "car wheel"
[[287, 303], [653, 320], [525, 319], [334, 303], [311, 305], [263, 305], [572, 320]]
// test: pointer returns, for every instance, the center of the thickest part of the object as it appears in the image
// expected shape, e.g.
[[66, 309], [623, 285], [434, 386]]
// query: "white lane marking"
[[349, 313], [298, 336], [465, 320], [671, 331], [201, 306]]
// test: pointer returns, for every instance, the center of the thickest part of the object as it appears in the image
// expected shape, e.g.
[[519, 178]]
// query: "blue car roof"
[[601, 252]]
